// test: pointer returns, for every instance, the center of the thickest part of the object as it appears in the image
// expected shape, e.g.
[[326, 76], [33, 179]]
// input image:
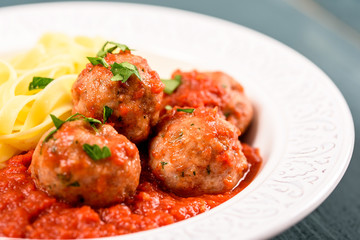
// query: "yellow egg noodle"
[[24, 114]]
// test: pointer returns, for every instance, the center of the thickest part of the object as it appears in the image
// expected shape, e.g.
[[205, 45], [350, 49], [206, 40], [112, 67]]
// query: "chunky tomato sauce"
[[28, 212]]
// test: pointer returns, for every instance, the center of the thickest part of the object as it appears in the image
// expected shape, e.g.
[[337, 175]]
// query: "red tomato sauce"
[[26, 212]]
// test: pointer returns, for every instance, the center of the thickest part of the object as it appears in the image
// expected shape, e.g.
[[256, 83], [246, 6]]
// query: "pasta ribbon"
[[24, 113]]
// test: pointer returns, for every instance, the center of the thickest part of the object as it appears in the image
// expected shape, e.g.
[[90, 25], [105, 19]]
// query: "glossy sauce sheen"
[[28, 212]]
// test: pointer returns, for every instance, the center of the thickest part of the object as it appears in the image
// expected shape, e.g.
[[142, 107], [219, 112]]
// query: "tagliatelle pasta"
[[24, 113]]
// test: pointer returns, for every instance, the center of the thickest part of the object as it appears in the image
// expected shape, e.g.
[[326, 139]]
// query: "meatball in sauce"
[[136, 103], [197, 152], [61, 166], [212, 89]]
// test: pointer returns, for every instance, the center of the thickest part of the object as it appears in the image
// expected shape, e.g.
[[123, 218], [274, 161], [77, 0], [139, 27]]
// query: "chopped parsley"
[[163, 164], [98, 60], [187, 110], [194, 173], [182, 174], [39, 83], [95, 152], [103, 51], [171, 84], [208, 169], [49, 136], [74, 184], [53, 149], [58, 123], [63, 177], [122, 71], [107, 113], [178, 137]]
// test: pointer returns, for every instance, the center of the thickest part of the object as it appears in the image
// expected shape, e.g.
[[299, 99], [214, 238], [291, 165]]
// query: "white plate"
[[303, 125]]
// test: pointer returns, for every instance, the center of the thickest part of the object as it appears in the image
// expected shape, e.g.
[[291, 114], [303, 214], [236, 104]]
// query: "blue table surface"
[[328, 33]]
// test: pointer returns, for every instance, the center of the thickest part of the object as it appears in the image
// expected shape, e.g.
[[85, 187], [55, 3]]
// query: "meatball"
[[197, 153], [212, 89], [61, 167], [135, 103]]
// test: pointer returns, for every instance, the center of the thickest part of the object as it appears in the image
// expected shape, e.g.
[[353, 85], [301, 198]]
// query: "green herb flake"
[[187, 110], [194, 173], [103, 51], [163, 164], [53, 149], [177, 77], [58, 123], [78, 116], [95, 152], [49, 136], [122, 71], [98, 60], [192, 124], [208, 169], [182, 174], [171, 84], [39, 83], [178, 137], [64, 177], [74, 184], [168, 107], [107, 113]]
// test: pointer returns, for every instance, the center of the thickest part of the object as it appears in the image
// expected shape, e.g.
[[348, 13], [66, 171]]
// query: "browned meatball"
[[197, 153], [213, 89], [61, 167], [135, 103]]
